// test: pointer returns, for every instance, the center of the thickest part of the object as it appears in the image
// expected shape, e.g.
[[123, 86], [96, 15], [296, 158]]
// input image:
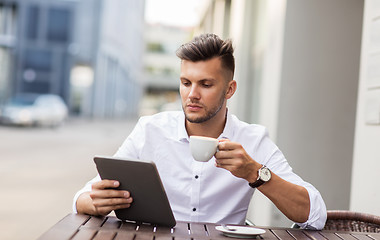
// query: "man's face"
[[203, 89]]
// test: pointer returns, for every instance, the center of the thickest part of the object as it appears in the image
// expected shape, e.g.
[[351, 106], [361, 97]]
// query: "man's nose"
[[194, 92]]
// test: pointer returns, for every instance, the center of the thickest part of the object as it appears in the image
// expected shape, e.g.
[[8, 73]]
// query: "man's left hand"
[[233, 157]]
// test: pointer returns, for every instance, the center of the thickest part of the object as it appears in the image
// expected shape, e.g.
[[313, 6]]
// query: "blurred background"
[[75, 75]]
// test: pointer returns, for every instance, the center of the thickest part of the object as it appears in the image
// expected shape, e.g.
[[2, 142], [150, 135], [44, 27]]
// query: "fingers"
[[223, 142], [104, 210], [103, 189], [227, 145], [103, 184], [105, 198], [231, 155], [104, 206], [229, 163], [109, 193], [229, 150], [98, 202]]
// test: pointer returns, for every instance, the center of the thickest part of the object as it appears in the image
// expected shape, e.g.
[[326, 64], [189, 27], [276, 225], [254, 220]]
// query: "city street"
[[42, 168]]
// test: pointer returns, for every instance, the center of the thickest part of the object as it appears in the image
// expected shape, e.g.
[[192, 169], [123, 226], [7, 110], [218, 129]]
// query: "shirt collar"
[[182, 133], [227, 131]]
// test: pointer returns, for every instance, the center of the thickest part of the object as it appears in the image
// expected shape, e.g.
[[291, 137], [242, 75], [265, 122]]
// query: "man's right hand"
[[103, 198]]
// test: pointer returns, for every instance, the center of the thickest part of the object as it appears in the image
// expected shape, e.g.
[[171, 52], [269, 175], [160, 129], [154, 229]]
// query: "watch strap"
[[257, 183]]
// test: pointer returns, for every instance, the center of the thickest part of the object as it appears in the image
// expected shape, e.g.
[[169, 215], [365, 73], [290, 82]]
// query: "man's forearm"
[[292, 200]]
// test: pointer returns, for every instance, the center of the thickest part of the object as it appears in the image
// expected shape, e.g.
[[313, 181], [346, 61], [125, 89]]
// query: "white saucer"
[[240, 231]]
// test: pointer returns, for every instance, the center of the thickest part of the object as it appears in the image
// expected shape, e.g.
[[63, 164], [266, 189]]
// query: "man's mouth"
[[193, 107]]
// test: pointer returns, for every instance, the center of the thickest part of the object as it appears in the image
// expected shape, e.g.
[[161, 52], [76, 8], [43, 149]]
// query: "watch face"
[[265, 174]]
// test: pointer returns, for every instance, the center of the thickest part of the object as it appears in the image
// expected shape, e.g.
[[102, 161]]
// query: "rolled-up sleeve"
[[279, 165], [318, 214]]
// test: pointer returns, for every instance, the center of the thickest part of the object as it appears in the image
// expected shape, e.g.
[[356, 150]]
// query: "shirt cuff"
[[318, 213], [86, 188]]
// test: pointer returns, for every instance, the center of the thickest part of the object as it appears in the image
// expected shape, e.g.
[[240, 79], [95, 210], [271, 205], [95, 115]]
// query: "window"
[[58, 25], [39, 60], [8, 19], [32, 22], [36, 87]]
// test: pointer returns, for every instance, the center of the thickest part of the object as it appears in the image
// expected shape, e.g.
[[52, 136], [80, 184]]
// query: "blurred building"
[[297, 72], [8, 31], [87, 51], [162, 67]]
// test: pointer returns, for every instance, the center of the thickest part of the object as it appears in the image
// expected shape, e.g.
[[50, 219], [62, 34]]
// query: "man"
[[220, 190]]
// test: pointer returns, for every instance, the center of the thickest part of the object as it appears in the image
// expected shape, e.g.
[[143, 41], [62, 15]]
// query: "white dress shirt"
[[201, 192]]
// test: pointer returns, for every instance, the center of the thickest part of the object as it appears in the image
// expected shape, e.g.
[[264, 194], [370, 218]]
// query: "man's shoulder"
[[244, 126]]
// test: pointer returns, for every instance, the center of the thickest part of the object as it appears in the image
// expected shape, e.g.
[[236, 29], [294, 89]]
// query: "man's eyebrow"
[[199, 80], [207, 79]]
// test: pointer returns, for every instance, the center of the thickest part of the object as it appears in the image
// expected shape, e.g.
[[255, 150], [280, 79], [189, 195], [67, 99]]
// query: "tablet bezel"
[[141, 178]]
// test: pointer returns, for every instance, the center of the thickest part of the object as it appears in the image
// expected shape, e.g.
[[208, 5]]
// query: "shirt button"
[[196, 176], [194, 209]]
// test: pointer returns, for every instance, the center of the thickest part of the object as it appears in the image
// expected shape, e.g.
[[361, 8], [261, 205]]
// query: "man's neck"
[[211, 128]]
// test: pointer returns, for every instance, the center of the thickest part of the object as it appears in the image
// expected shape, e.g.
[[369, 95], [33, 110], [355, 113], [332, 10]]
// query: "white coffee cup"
[[203, 148]]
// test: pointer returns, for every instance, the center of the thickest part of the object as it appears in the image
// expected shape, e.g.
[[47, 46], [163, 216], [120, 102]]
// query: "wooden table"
[[79, 226]]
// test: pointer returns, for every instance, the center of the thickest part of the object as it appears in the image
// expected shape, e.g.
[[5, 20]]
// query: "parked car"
[[34, 109]]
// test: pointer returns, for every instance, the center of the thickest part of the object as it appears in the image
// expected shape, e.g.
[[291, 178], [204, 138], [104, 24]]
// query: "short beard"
[[209, 114]]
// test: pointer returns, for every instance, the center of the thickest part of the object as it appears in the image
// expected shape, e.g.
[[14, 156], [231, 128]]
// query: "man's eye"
[[185, 83], [206, 85]]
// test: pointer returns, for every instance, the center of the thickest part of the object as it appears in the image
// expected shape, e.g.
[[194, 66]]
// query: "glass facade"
[[8, 29], [32, 22], [43, 60], [52, 37], [58, 28], [38, 59]]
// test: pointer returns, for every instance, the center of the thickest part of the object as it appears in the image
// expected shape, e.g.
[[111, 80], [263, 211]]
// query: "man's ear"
[[231, 89]]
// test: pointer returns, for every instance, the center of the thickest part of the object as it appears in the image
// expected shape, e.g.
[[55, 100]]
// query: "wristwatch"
[[264, 175]]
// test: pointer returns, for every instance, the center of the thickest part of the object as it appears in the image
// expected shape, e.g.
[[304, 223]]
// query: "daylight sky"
[[173, 12]]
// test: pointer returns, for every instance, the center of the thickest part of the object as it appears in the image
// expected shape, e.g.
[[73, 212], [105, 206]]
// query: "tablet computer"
[[150, 203]]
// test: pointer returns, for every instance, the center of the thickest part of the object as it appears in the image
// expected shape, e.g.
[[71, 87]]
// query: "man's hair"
[[207, 46]]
